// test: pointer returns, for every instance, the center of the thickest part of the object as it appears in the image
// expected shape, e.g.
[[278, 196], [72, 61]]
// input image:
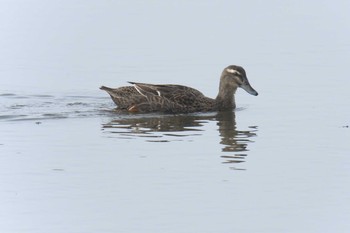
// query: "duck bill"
[[249, 89]]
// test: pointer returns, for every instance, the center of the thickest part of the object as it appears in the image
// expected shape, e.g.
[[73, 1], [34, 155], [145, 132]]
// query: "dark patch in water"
[[237, 158], [38, 119], [53, 116], [8, 117], [77, 104], [7, 94], [158, 141], [58, 169], [42, 96], [21, 97], [18, 106], [86, 97], [238, 169]]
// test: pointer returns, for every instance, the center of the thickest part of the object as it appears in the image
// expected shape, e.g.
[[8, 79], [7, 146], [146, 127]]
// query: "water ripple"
[[18, 107]]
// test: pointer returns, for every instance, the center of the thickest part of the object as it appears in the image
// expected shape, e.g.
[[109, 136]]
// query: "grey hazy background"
[[69, 45]]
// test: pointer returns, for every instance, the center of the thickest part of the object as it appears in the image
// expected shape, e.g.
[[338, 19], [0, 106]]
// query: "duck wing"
[[177, 93]]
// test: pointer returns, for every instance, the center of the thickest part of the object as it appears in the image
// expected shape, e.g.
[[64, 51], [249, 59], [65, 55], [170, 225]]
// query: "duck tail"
[[106, 88]]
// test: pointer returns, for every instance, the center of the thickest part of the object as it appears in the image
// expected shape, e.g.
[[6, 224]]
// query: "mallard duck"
[[142, 97]]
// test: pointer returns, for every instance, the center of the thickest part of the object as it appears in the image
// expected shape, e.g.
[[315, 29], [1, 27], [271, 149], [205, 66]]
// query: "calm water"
[[279, 163]]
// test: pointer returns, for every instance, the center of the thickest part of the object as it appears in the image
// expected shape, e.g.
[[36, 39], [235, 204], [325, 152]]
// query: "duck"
[[171, 98]]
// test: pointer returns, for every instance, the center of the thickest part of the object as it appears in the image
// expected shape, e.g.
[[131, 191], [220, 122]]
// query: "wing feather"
[[177, 93]]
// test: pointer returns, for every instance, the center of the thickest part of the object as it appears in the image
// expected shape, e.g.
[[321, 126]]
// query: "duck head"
[[236, 76]]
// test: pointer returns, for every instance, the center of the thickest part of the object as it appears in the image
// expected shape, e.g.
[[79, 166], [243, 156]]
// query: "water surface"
[[278, 163]]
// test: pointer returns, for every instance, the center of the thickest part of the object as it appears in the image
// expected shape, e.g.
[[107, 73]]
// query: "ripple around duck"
[[42, 96], [78, 104], [10, 117], [17, 107], [53, 115], [7, 94]]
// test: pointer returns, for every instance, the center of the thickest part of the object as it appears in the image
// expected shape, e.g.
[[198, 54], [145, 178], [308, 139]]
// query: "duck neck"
[[225, 100]]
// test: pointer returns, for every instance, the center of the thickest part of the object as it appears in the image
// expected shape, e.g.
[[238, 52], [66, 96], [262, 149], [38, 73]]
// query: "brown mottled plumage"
[[142, 97]]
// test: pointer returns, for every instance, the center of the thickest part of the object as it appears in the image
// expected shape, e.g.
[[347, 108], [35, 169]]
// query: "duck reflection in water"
[[167, 128], [234, 141]]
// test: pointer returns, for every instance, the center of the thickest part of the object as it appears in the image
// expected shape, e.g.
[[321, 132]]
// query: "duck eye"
[[238, 74]]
